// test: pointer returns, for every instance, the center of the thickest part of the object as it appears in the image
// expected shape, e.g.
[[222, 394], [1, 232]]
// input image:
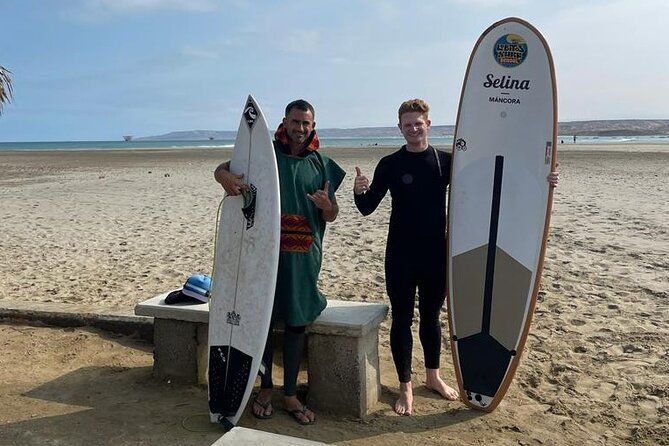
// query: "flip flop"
[[300, 415], [265, 406]]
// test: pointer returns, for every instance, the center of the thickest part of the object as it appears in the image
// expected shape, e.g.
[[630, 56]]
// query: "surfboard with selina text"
[[499, 205], [245, 269]]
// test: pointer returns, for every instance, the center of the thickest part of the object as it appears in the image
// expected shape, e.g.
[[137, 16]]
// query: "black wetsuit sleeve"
[[369, 201]]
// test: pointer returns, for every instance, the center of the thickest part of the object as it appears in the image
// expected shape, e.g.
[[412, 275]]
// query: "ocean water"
[[112, 145], [443, 141]]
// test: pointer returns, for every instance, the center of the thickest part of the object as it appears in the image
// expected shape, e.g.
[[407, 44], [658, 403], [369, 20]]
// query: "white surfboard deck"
[[245, 270], [499, 205]]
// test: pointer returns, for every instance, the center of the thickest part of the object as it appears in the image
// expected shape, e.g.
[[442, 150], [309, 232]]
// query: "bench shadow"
[[112, 406], [127, 406]]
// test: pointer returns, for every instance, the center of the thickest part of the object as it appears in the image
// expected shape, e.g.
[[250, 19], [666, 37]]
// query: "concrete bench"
[[240, 436], [342, 345]]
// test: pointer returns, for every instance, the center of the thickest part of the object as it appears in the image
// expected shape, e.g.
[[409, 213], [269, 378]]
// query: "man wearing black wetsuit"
[[417, 176]]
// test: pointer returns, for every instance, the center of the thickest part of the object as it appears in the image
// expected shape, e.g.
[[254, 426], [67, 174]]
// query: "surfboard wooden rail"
[[499, 205]]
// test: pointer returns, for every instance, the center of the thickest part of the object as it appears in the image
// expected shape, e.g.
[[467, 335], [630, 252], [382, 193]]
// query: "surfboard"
[[245, 268], [499, 205]]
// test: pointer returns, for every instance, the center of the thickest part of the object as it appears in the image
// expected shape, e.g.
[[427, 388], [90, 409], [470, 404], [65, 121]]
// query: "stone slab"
[[241, 436], [340, 318], [344, 318], [183, 311]]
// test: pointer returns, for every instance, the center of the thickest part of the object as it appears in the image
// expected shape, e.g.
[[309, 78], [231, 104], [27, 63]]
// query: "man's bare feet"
[[404, 404], [262, 405], [300, 412], [434, 382]]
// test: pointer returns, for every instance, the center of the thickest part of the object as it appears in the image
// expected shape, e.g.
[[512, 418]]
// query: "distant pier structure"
[[127, 137]]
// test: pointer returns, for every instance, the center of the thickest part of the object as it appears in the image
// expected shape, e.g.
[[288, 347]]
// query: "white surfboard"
[[245, 269], [499, 205]]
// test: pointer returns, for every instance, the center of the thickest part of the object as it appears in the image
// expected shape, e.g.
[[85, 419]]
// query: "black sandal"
[[300, 415], [267, 405]]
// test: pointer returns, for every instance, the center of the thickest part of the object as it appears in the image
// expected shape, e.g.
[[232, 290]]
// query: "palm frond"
[[6, 91]]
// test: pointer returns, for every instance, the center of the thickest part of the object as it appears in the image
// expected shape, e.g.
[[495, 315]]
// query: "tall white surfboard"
[[499, 205], [245, 269]]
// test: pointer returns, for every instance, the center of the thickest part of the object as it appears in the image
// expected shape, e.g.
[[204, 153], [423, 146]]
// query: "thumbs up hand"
[[361, 183]]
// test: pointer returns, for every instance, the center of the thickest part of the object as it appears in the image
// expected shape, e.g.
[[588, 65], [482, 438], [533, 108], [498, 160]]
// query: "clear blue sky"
[[99, 69]]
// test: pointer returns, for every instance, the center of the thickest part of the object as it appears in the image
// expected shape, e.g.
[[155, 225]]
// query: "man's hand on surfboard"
[[232, 183], [361, 183]]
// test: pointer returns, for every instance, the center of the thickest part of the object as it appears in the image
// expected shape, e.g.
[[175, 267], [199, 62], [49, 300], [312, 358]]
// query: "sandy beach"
[[113, 228]]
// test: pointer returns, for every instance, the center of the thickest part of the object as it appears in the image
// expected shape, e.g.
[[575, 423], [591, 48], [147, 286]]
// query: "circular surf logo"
[[510, 50], [250, 113]]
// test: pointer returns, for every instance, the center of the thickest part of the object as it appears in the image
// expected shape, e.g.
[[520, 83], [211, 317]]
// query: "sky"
[[99, 69]]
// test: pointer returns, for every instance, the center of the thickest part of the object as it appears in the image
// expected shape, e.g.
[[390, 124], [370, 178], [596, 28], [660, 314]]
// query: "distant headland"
[[618, 127]]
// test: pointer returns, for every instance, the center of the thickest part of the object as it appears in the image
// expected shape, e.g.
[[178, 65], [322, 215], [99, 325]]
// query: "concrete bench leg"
[[344, 375], [175, 350], [203, 354]]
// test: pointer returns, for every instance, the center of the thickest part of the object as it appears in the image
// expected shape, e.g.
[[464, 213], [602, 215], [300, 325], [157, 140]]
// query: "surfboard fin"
[[227, 424]]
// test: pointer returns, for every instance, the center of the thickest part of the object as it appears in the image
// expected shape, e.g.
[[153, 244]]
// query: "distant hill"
[[621, 127], [626, 127], [191, 135]]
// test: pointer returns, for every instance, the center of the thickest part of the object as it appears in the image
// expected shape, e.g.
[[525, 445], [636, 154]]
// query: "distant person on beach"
[[308, 181], [417, 176]]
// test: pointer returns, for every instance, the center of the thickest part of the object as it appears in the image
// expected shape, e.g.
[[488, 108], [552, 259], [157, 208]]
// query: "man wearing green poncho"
[[308, 181]]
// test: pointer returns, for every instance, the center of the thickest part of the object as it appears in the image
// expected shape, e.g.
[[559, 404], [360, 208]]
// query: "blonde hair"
[[413, 105]]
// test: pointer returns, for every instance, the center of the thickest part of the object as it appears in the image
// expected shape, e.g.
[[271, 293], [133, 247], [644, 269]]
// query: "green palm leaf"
[[5, 87]]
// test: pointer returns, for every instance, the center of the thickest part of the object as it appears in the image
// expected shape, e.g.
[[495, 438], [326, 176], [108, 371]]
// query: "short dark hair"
[[300, 104]]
